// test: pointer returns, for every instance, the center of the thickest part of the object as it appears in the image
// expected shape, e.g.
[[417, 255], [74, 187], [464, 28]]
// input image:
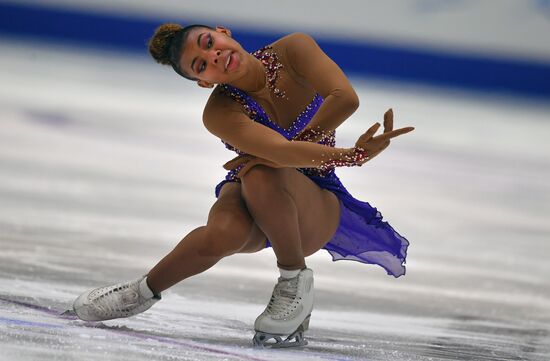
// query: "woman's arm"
[[258, 140], [310, 63]]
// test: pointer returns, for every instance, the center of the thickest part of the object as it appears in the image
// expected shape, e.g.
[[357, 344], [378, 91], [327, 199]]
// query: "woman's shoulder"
[[294, 38], [297, 50], [293, 42], [218, 104], [218, 99]]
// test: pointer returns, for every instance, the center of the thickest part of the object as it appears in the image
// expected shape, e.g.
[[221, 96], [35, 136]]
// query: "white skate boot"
[[116, 301], [287, 314]]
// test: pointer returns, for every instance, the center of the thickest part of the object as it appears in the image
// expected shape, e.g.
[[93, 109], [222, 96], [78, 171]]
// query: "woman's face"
[[212, 56]]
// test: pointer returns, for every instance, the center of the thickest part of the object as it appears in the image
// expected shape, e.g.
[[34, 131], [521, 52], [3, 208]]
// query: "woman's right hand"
[[246, 161]]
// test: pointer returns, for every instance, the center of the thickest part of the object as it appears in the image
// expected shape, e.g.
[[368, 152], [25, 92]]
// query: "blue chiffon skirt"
[[362, 235]]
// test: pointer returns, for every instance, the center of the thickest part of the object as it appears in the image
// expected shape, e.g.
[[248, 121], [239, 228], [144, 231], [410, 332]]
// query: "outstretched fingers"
[[365, 137], [394, 133], [388, 120]]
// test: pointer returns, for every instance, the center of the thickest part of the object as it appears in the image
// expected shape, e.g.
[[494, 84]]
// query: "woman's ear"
[[204, 84], [223, 30]]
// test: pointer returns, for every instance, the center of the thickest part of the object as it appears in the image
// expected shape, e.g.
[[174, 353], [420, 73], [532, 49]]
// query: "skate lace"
[[117, 300], [284, 297]]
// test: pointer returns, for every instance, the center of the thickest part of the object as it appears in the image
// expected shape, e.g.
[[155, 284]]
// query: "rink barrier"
[[370, 59]]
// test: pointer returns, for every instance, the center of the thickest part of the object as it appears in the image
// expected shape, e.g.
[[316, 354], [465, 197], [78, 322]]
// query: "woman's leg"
[[292, 210], [299, 218], [295, 214], [230, 229]]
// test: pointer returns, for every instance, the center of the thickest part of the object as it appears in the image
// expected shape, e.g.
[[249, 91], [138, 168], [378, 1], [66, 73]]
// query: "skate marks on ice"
[[100, 331], [191, 335], [69, 335], [508, 342], [409, 338]]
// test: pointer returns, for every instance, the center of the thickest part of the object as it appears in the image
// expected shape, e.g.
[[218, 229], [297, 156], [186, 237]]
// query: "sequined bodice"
[[259, 115]]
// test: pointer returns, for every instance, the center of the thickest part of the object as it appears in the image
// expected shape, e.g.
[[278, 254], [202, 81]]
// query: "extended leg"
[[230, 229]]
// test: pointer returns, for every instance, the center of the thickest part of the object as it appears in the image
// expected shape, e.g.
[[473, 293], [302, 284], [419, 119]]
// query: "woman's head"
[[199, 52]]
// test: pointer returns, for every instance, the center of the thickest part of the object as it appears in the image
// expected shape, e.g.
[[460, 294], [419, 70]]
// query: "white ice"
[[105, 166]]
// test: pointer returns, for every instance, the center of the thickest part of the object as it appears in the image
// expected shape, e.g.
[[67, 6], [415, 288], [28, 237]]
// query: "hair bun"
[[161, 42]]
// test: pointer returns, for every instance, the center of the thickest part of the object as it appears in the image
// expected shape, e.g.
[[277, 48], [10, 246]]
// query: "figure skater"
[[278, 109]]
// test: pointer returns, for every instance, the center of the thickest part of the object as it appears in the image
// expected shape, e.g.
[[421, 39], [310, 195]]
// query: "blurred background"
[[481, 45], [105, 166]]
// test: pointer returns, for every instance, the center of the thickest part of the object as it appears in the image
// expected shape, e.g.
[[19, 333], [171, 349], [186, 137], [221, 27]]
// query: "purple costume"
[[362, 235]]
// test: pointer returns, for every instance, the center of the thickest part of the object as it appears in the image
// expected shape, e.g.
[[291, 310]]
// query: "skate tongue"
[[288, 288], [287, 294]]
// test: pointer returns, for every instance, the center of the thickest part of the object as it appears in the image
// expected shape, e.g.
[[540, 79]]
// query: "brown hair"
[[167, 44]]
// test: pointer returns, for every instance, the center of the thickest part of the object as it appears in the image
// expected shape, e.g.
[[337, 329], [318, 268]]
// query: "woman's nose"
[[216, 56]]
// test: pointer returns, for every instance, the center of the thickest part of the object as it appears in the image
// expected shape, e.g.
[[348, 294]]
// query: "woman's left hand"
[[369, 146], [247, 161], [388, 127]]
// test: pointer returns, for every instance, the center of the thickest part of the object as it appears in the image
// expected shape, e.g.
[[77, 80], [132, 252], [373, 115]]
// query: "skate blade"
[[296, 339], [266, 340], [288, 344]]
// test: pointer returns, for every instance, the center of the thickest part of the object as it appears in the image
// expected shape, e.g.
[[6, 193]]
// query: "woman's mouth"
[[227, 61], [232, 62]]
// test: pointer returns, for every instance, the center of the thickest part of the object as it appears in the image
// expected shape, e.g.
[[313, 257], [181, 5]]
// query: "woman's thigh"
[[318, 209], [230, 225]]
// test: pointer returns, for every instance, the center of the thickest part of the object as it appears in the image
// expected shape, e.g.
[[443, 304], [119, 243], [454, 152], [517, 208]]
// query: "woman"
[[278, 109]]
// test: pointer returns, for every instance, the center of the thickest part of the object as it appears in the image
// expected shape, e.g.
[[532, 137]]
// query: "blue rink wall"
[[405, 62]]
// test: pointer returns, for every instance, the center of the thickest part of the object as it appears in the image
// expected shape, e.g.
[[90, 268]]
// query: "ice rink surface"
[[105, 166]]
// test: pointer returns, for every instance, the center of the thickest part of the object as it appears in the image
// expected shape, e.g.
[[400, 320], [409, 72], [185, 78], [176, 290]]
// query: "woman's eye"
[[209, 45], [202, 67]]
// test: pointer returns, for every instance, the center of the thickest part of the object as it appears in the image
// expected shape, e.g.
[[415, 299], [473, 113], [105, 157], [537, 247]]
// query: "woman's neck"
[[254, 81]]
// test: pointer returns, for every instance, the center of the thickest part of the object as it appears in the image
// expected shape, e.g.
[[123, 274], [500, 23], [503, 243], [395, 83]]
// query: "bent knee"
[[220, 243], [259, 171], [261, 174], [260, 182], [225, 235]]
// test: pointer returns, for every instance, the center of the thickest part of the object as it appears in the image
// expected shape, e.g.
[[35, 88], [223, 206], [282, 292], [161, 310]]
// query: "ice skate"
[[286, 317], [115, 301]]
